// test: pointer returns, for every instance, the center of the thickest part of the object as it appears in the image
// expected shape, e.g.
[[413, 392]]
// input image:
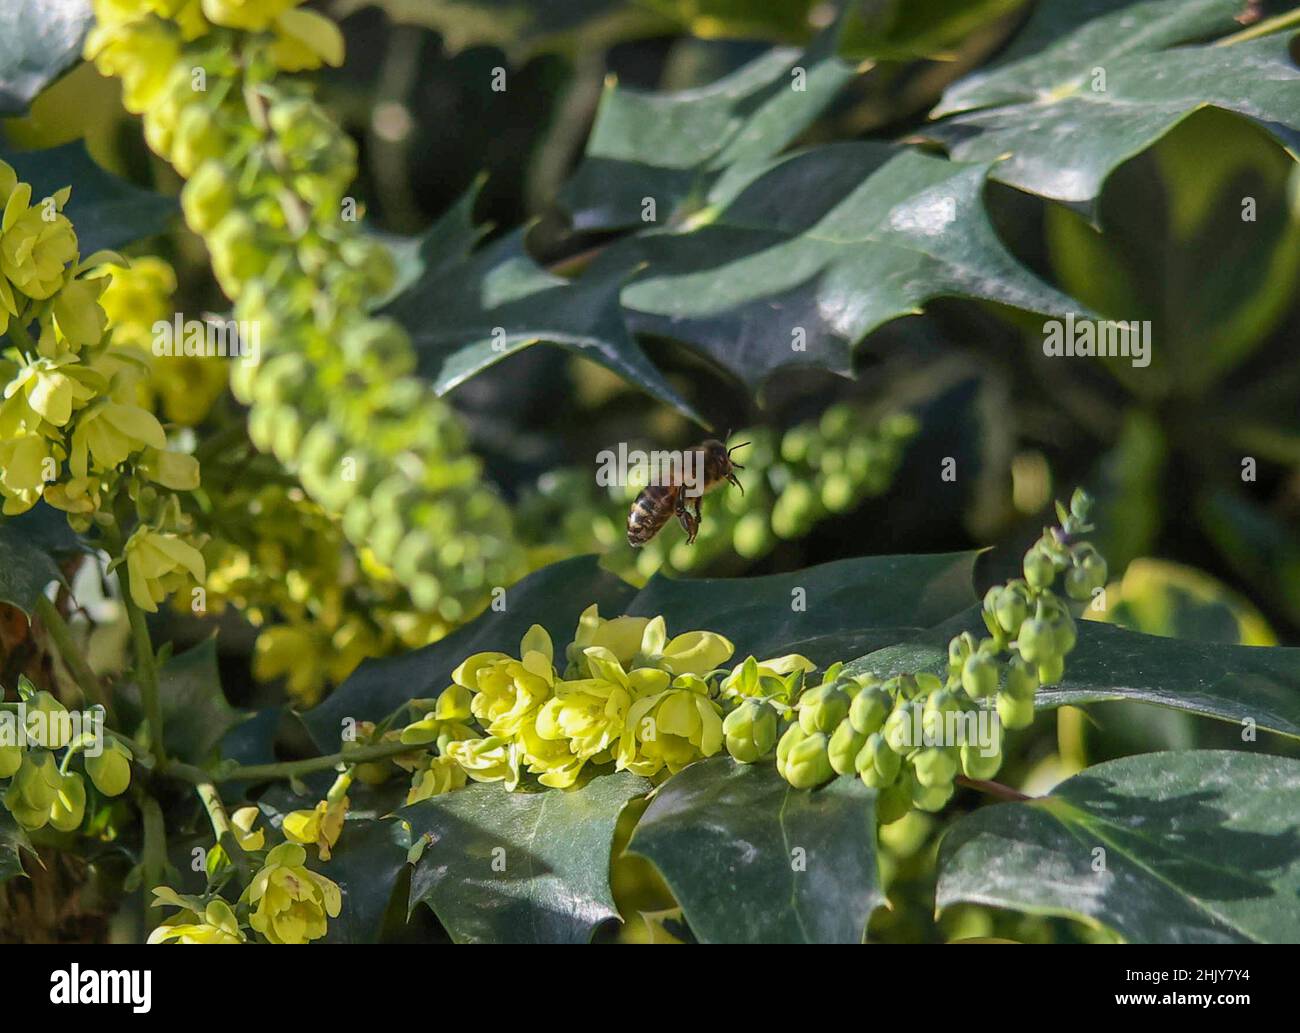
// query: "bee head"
[[718, 455]]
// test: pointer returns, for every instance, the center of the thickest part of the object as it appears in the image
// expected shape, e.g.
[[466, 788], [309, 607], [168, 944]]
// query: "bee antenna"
[[741, 445]]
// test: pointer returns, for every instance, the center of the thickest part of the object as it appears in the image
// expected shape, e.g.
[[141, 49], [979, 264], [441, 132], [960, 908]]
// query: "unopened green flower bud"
[[870, 708], [111, 770], [893, 802], [48, 722], [930, 798], [979, 675], [1051, 670], [876, 763], [844, 747], [1036, 640], [69, 805], [207, 196], [1065, 634], [1012, 609], [788, 741], [752, 536], [1015, 713], [1022, 679], [821, 709], [750, 731], [808, 764], [935, 766], [794, 510], [898, 729], [1039, 569], [979, 763], [11, 759]]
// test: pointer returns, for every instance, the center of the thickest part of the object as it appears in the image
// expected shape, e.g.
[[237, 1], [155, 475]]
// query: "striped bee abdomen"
[[651, 510]]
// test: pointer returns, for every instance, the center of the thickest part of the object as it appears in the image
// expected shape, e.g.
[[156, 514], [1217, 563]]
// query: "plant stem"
[[992, 788], [154, 859], [289, 768], [1260, 29], [146, 669], [71, 656], [222, 830]]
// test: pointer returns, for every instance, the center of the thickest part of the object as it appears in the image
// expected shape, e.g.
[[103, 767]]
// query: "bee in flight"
[[658, 502]]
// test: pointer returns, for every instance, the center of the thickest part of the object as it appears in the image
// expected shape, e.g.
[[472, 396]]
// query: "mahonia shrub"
[[295, 648]]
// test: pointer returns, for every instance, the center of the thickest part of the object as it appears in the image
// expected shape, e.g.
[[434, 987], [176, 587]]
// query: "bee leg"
[[698, 518], [690, 524]]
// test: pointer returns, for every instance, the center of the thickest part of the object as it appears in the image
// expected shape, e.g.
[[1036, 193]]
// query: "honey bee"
[[658, 502]]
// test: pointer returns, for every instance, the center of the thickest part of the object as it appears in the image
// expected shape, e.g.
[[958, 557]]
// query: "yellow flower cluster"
[[628, 695], [182, 388], [286, 902], [140, 41], [71, 429]]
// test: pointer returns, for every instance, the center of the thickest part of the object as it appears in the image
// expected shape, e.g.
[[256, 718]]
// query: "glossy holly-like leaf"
[[38, 41], [106, 212], [796, 262], [767, 616], [819, 608], [1063, 40], [464, 317], [669, 148], [1067, 115], [523, 867], [1230, 683], [26, 567], [196, 714], [753, 860], [13, 844], [1195, 847]]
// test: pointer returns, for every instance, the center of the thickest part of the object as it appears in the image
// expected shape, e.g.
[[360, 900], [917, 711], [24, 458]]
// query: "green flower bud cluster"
[[909, 736], [42, 788], [792, 480], [333, 397]]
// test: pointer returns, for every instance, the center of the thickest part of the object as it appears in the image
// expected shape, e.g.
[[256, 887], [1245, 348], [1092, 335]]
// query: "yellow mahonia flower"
[[291, 902], [438, 775], [253, 15], [137, 296], [141, 52], [305, 40], [487, 760], [671, 729], [694, 652], [108, 432], [174, 470], [216, 922], [36, 242], [157, 564], [24, 463], [242, 822], [766, 678], [508, 691], [77, 318], [296, 651], [320, 826], [621, 636], [53, 388]]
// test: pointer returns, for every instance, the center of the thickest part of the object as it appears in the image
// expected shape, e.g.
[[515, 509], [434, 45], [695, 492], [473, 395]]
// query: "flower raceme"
[[267, 171], [631, 696], [72, 431]]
